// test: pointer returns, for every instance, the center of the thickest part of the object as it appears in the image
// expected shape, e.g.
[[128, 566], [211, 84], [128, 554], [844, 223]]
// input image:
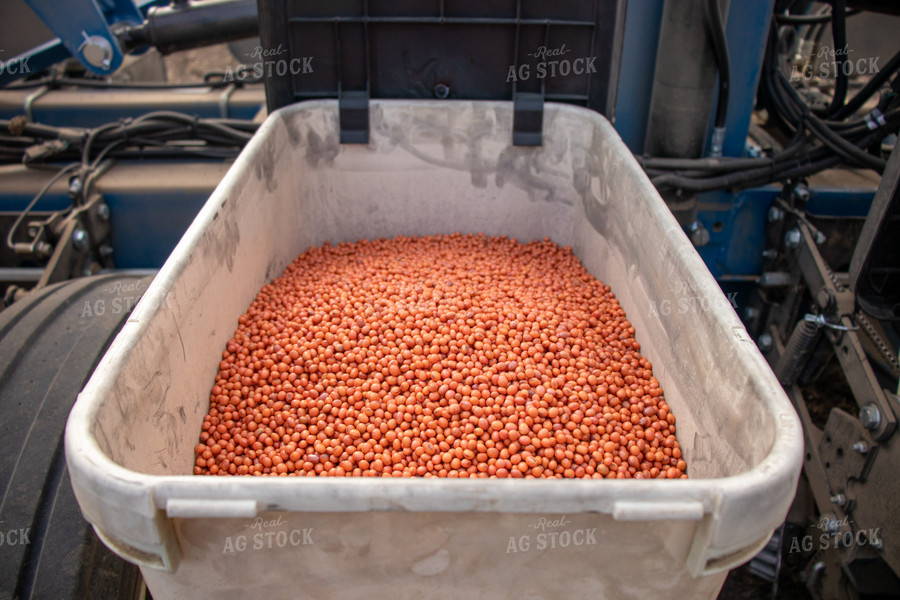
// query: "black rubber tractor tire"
[[50, 343]]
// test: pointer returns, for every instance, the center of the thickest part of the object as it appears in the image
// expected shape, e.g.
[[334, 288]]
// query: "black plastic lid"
[[527, 51]]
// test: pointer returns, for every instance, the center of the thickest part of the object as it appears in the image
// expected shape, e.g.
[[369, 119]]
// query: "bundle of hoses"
[[85, 153], [161, 134], [836, 136]]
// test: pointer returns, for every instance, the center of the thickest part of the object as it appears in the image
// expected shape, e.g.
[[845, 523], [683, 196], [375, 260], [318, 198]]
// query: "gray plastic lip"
[[742, 439]]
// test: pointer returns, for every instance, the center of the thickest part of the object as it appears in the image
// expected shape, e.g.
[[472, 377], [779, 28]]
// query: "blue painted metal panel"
[[146, 226], [746, 33], [57, 50], [82, 26], [737, 224], [642, 24]]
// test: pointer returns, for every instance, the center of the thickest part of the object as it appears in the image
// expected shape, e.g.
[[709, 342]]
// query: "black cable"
[[839, 36], [716, 29], [867, 90], [802, 166], [222, 138], [810, 19], [100, 84], [828, 137], [769, 94], [93, 135], [722, 164], [9, 238], [834, 141]]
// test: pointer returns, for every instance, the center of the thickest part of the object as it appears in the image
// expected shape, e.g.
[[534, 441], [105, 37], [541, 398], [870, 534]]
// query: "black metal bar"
[[273, 35], [192, 25], [445, 20]]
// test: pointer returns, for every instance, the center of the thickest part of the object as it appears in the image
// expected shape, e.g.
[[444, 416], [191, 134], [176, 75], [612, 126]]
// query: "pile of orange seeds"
[[443, 356]]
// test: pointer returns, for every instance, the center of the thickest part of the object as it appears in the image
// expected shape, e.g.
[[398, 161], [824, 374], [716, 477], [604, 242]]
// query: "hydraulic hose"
[[870, 88], [839, 35], [716, 29]]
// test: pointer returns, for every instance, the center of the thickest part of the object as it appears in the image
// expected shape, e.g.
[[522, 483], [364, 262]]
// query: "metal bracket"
[[847, 453], [821, 321], [354, 117], [84, 30], [80, 235], [528, 119]]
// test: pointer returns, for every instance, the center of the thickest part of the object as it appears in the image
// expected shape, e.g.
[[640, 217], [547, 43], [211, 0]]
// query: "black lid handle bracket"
[[528, 119]]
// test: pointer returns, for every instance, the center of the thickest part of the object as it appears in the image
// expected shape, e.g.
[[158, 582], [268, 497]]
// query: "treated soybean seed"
[[442, 356]]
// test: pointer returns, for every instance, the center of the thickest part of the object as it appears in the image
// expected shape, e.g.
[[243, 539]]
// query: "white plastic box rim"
[[142, 532]]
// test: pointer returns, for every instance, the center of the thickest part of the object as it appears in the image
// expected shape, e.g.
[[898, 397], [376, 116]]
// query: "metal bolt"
[[839, 499], [801, 192], [698, 233], [441, 91], [103, 211], [751, 313], [825, 299], [775, 214], [33, 231], [815, 573], [43, 250], [96, 50], [870, 416], [861, 447], [820, 238], [832, 525], [75, 187], [774, 279], [106, 250], [765, 342], [80, 239], [792, 238]]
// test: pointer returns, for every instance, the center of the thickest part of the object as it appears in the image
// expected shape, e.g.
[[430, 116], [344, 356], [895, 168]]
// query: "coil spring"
[[796, 352]]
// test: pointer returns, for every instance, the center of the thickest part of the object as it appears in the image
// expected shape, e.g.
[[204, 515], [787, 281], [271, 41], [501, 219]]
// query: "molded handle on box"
[[192, 508], [165, 556], [702, 562], [735, 559], [657, 511]]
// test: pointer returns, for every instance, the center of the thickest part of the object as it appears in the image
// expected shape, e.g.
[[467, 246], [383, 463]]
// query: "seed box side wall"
[[432, 167]]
